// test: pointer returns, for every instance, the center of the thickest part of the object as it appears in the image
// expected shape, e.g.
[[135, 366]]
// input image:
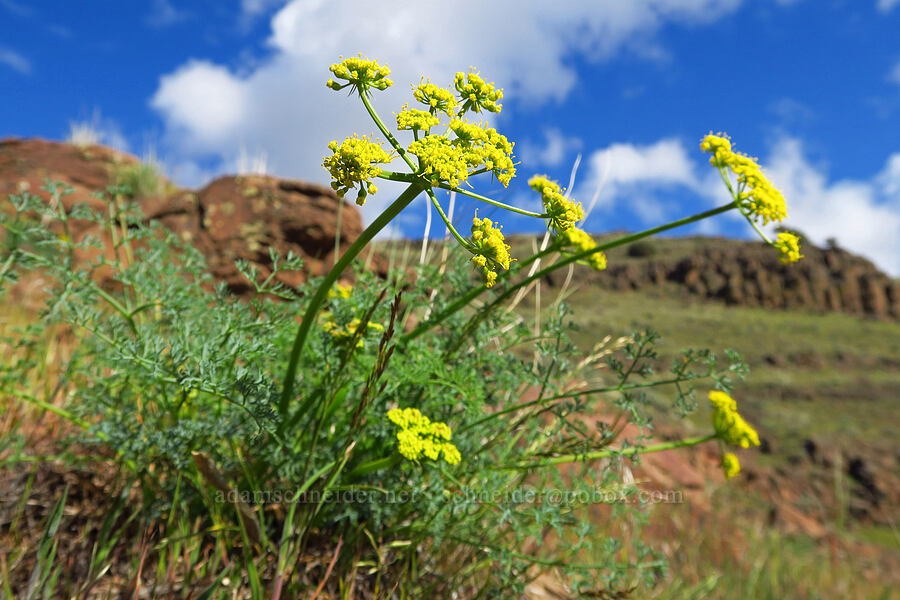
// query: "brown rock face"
[[750, 274], [242, 217], [231, 218], [26, 164]]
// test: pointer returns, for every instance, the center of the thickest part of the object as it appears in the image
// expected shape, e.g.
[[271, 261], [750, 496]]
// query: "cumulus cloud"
[[864, 216], [624, 170], [282, 107], [204, 103], [886, 6]]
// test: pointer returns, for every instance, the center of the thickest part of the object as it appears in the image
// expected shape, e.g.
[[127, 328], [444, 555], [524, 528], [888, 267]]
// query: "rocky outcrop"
[[243, 217], [750, 274], [231, 218]]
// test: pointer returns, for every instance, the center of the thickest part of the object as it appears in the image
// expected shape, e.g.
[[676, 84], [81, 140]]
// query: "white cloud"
[[886, 6], [15, 61], [555, 147], [203, 102], [282, 107], [628, 171], [864, 216]]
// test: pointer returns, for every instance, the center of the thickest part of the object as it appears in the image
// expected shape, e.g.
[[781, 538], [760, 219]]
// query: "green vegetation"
[[408, 437]]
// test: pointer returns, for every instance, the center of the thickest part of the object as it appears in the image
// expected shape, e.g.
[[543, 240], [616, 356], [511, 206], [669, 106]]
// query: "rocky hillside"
[[241, 217], [228, 219], [747, 273]]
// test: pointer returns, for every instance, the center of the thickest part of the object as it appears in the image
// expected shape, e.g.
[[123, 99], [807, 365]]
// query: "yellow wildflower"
[[581, 241], [562, 213], [539, 182], [490, 249], [436, 98], [485, 147], [354, 163], [344, 333], [360, 73], [421, 120], [756, 194], [730, 465], [419, 436], [340, 291], [440, 159], [788, 245], [730, 426], [476, 94]]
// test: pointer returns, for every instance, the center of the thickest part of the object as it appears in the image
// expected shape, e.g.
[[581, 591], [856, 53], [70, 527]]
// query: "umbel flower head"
[[561, 212], [757, 195], [354, 163], [436, 98], [788, 246], [361, 73], [440, 160], [580, 241], [730, 426], [476, 94], [484, 147], [420, 437], [417, 120], [490, 249]]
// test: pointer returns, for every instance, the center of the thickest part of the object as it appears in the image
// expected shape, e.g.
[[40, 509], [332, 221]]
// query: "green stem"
[[408, 195], [390, 137], [524, 405], [571, 458], [737, 202], [52, 408], [375, 465], [521, 211], [395, 176], [450, 227]]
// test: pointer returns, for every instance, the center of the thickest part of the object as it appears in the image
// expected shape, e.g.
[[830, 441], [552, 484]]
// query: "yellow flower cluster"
[[562, 213], [340, 291], [755, 192], [730, 465], [435, 98], [419, 436], [360, 73], [788, 245], [485, 147], [730, 426], [440, 159], [421, 120], [354, 162], [581, 241], [348, 331], [490, 249], [476, 94]]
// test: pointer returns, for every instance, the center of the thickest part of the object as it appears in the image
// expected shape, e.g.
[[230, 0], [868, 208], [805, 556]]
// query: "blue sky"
[[810, 87]]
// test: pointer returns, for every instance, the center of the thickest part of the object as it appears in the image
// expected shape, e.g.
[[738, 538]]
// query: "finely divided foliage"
[[403, 440]]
